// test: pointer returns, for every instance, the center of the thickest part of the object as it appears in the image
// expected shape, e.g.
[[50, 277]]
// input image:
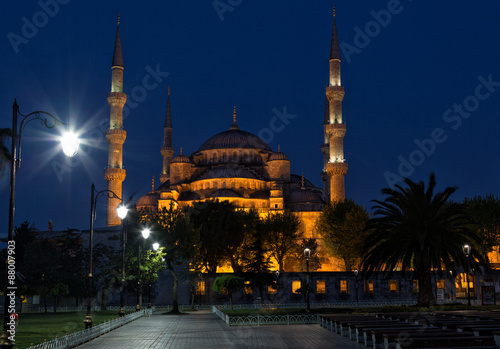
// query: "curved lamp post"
[[307, 254], [93, 204], [466, 249], [70, 147], [122, 213]]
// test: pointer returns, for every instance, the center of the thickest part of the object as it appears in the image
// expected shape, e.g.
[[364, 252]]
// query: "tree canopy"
[[417, 229], [341, 224]]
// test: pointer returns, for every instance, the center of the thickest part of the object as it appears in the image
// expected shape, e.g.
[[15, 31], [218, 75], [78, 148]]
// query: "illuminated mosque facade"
[[235, 165]]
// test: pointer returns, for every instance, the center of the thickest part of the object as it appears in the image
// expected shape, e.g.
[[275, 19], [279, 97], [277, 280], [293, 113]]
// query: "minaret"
[[325, 149], [336, 168], [115, 135], [166, 150]]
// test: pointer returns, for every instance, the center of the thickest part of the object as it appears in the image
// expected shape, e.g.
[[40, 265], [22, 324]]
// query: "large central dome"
[[234, 138]]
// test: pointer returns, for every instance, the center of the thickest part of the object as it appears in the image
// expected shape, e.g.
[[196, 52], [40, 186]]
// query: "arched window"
[[235, 157]]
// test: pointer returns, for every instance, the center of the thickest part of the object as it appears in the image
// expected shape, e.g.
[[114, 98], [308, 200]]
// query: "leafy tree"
[[257, 262], [152, 263], [221, 234], [414, 228], [485, 213], [297, 260], [180, 240], [228, 284], [341, 224], [43, 271], [282, 233], [106, 270]]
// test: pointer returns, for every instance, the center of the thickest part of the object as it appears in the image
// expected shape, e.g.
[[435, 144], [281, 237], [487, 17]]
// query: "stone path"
[[202, 329]]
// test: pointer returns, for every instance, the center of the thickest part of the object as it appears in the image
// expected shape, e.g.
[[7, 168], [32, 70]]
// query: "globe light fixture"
[[69, 143]]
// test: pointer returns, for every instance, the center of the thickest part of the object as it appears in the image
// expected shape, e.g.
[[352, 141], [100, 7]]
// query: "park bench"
[[375, 336], [329, 321], [446, 342]]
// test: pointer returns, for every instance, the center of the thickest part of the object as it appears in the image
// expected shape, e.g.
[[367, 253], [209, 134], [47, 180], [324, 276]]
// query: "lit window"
[[200, 288], [248, 288], [320, 286], [415, 286], [368, 286], [295, 286], [393, 286], [440, 284], [344, 286], [271, 290]]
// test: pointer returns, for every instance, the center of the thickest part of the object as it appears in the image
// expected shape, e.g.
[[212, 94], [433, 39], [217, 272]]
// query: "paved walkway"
[[202, 329]]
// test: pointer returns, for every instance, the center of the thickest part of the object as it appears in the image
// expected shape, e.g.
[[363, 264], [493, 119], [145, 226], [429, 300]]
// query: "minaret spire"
[[117, 53], [336, 168], [167, 151], [115, 134]]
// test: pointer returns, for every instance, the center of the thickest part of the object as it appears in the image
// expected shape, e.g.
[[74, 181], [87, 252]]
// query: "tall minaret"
[[115, 135], [336, 168], [166, 150], [325, 149]]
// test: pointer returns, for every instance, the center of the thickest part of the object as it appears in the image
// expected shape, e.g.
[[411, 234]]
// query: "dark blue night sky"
[[422, 81]]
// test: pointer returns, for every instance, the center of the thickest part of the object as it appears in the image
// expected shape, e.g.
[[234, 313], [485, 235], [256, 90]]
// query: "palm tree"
[[4, 150], [415, 229]]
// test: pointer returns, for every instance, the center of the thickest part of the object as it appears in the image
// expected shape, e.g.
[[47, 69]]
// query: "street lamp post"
[[122, 213], [93, 204], [307, 254], [70, 148], [466, 249], [277, 289], [356, 272], [451, 285], [145, 234]]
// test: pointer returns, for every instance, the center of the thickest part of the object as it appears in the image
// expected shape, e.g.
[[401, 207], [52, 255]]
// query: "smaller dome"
[[180, 158], [148, 200], [278, 156], [304, 196]]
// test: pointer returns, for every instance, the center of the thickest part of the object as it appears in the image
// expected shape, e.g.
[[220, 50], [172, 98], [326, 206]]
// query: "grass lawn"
[[35, 327]]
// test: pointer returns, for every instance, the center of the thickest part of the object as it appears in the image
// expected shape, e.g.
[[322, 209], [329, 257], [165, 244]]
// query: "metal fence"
[[258, 320], [76, 338]]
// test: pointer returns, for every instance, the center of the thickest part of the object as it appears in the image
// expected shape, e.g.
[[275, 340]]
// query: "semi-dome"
[[148, 200], [234, 138], [180, 158], [278, 156]]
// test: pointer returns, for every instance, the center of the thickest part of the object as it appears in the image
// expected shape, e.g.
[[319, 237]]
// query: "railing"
[[76, 338], [258, 320]]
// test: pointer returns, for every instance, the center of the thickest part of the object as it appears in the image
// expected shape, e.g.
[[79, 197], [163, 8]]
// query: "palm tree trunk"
[[425, 294]]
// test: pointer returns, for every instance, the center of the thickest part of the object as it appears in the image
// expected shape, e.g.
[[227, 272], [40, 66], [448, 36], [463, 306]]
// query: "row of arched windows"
[[231, 184]]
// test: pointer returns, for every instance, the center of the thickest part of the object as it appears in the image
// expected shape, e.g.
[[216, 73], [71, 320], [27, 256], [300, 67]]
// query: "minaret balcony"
[[336, 168], [335, 93], [117, 98], [116, 135], [114, 174], [335, 130]]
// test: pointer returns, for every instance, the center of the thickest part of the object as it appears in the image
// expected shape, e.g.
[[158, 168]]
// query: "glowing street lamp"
[[49, 121], [156, 246], [122, 211], [466, 250], [307, 254]]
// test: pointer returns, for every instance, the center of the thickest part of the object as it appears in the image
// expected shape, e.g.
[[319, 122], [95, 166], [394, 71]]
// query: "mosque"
[[234, 165]]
